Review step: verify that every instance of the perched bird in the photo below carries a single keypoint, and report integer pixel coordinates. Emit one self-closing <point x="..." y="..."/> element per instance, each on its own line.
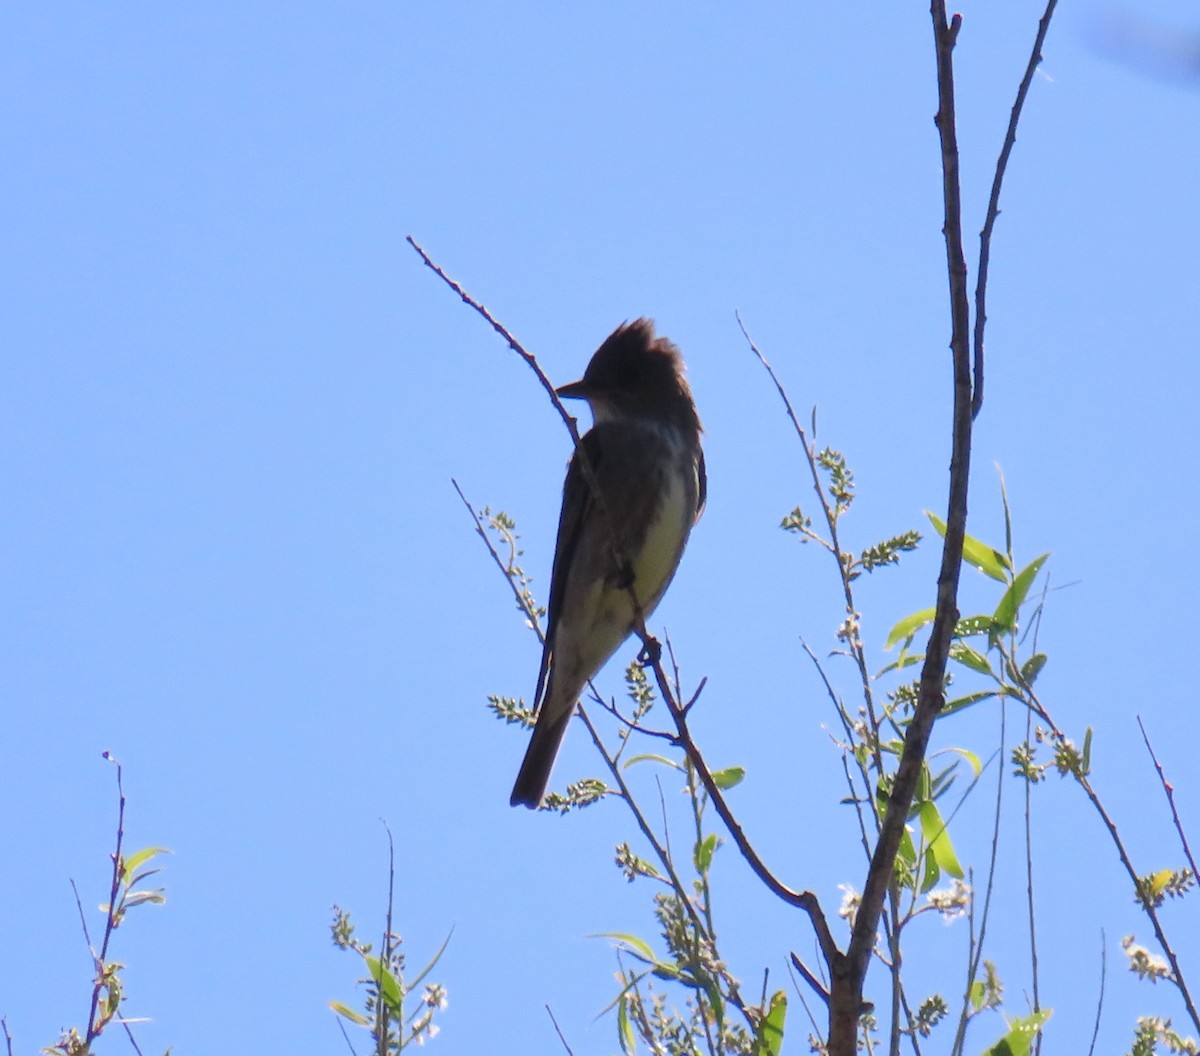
<point x="646" y="461"/>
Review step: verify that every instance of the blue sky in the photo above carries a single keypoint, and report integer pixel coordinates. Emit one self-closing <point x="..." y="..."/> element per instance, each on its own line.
<point x="233" y="400"/>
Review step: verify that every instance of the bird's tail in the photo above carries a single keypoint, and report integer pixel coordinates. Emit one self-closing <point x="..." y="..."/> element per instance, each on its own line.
<point x="539" y="759"/>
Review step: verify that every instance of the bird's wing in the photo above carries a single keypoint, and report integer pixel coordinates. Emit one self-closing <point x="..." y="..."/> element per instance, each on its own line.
<point x="576" y="508"/>
<point x="701" y="483"/>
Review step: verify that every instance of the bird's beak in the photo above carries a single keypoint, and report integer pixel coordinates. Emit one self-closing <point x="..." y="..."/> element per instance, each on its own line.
<point x="576" y="390"/>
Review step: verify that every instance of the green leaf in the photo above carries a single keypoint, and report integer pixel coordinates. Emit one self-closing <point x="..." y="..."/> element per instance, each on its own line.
<point x="136" y="898"/>
<point x="769" y="1040"/>
<point x="349" y="1013"/>
<point x="959" y="703"/>
<point x="1005" y="615"/>
<point x="977" y="992"/>
<point x="638" y="947"/>
<point x="651" y="758"/>
<point x="972" y="759"/>
<point x="703" y="855"/>
<point x="624" y="1028"/>
<point x="729" y="777"/>
<point x="1021" y="1032"/>
<point x="389" y="987"/>
<point x="1086" y="761"/>
<point x="432" y="962"/>
<point x="979" y="555"/>
<point x="937" y="839"/>
<point x="1033" y="667"/>
<point x="930" y="873"/>
<point x="967" y="626"/>
<point x="968" y="657"/>
<point x="909" y="626"/>
<point x="131" y="864"/>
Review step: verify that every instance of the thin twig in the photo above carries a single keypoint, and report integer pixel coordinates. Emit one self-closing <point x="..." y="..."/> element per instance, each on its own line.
<point x="383" y="1008"/>
<point x="818" y="987"/>
<point x="985" y="236"/>
<point x="8" y="1041"/>
<point x="1169" y="790"/>
<point x="558" y="1031"/>
<point x="833" y="546"/>
<point x="585" y="465"/>
<point x="1033" y="947"/>
<point x="1100" y="999"/>
<point x="1149" y="909"/>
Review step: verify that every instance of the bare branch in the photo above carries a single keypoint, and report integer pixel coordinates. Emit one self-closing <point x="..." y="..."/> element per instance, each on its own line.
<point x="985" y="236"/>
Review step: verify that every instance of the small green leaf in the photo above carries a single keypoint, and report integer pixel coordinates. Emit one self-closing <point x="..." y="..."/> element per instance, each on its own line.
<point x="930" y="873"/>
<point x="703" y="855"/>
<point x="1032" y="668"/>
<point x="979" y="555"/>
<point x="959" y="703"/>
<point x="729" y="777"/>
<point x="349" y="1013"/>
<point x="389" y="987"/>
<point x="937" y="839"/>
<point x="976" y="993"/>
<point x="651" y="758"/>
<point x="909" y="626"/>
<point x="136" y="898"/>
<point x="638" y="947"/>
<point x="131" y="864"/>
<point x="1086" y="761"/>
<point x="624" y="1028"/>
<point x="1005" y="615"/>
<point x="1021" y="1032"/>
<point x="968" y="626"/>
<point x="769" y="1040"/>
<point x="968" y="657"/>
<point x="972" y="759"/>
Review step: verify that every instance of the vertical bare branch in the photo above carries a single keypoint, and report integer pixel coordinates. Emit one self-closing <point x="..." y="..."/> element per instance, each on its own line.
<point x="848" y="977"/>
<point x="985" y="236"/>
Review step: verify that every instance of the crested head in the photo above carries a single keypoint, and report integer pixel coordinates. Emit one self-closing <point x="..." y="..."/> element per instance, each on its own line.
<point x="635" y="373"/>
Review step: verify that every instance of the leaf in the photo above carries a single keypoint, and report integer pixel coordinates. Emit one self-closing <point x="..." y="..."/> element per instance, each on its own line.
<point x="977" y="995"/>
<point x="937" y="839"/>
<point x="959" y="703"/>
<point x="130" y="865"/>
<point x="909" y="626"/>
<point x="136" y="898"/>
<point x="432" y="961"/>
<point x="969" y="657"/>
<point x="769" y="1040"/>
<point x="349" y="1013"/>
<point x="389" y="987"/>
<point x="1021" y="1032"/>
<point x="1086" y="761"/>
<point x="972" y="625"/>
<point x="979" y="555"/>
<point x="625" y="1028"/>
<point x="972" y="759"/>
<point x="729" y="777"/>
<point x="1010" y="603"/>
<point x="703" y="855"/>
<point x="638" y="947"/>
<point x="651" y="758"/>
<point x="1033" y="667"/>
<point x="930" y="874"/>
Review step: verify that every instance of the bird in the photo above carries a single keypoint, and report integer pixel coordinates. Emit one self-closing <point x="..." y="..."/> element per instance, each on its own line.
<point x="614" y="558"/>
